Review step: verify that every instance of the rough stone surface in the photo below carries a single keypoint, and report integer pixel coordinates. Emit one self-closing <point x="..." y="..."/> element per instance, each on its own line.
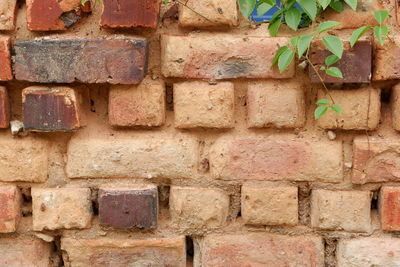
<point x="7" y="15"/>
<point x="263" y="159"/>
<point x="192" y="207"/>
<point x="129" y="207"/>
<point x="341" y="210"/>
<point x="221" y="56"/>
<point x="269" y="205"/>
<point x="5" y="59"/>
<point x="10" y="208"/>
<point x="199" y="104"/>
<point x="126" y="252"/>
<point x="386" y="60"/>
<point x="360" y="109"/>
<point x="142" y="105"/>
<point x="259" y="249"/>
<point x="389" y="208"/>
<point x="395" y="99"/>
<point x="275" y="103"/>
<point x="118" y="60"/>
<point x="4" y="108"/>
<point x="58" y="208"/>
<point x="168" y="158"/>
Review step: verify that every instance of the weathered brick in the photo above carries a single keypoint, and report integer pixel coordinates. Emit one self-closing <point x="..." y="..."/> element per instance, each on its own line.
<point x="54" y="15"/>
<point x="5" y="59"/>
<point x="395" y="103"/>
<point x="269" y="204"/>
<point x="259" y="249"/>
<point x="58" y="208"/>
<point x="387" y="60"/>
<point x="142" y="105"/>
<point x="10" y="208"/>
<point x="199" y="104"/>
<point x="8" y="15"/>
<point x="355" y="64"/>
<point x="369" y="251"/>
<point x="360" y="109"/>
<point x="16" y="252"/>
<point x="24" y="159"/>
<point x="126" y="252"/>
<point x="263" y="159"/>
<point x="221" y="56"/>
<point x="4" y="108"/>
<point x="198" y="207"/>
<point x="118" y="60"/>
<point x="129" y="207"/>
<point x="152" y="158"/>
<point x="130" y="13"/>
<point x="222" y="12"/>
<point x="50" y="109"/>
<point x="341" y="210"/>
<point x="375" y="160"/>
<point x="275" y="103"/>
<point x="389" y="208"/>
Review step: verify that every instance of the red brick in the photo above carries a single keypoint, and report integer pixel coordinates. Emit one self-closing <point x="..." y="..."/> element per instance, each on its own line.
<point x="221" y="56"/>
<point x="4" y="108"/>
<point x="395" y="105"/>
<point x="10" y="208"/>
<point x="8" y="10"/>
<point x="125" y="252"/>
<point x="54" y="15"/>
<point x="16" y="252"/>
<point x="5" y="59"/>
<point x="129" y="207"/>
<point x="387" y="60"/>
<point x="130" y="13"/>
<point x="50" y="109"/>
<point x="260" y="249"/>
<point x="120" y="60"/>
<point x="389" y="208"/>
<point x="264" y="159"/>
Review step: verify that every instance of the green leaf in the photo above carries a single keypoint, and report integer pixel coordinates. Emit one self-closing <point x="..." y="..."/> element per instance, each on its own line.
<point x="322" y="68"/>
<point x="324" y="3"/>
<point x="336" y="108"/>
<point x="323" y="102"/>
<point x="320" y="111"/>
<point x="357" y="34"/>
<point x="263" y="8"/>
<point x="309" y="7"/>
<point x="278" y="54"/>
<point x="274" y="27"/>
<point x="337" y="6"/>
<point x="292" y="18"/>
<point x="333" y="44"/>
<point x="270" y="2"/>
<point x="352" y="4"/>
<point x="331" y="59"/>
<point x="381" y="15"/>
<point x="380" y="33"/>
<point x="334" y="72"/>
<point x="83" y="2"/>
<point x="303" y="44"/>
<point x="285" y="59"/>
<point x="246" y="7"/>
<point x="294" y="41"/>
<point x="327" y="25"/>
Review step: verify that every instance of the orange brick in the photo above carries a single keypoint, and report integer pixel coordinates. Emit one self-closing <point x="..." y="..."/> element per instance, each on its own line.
<point x="16" y="252"/>
<point x="389" y="208"/>
<point x="10" y="208"/>
<point x="5" y="59"/>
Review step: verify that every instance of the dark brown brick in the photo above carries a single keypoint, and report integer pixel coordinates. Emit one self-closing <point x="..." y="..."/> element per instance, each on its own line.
<point x="4" y="108"/>
<point x="129" y="208"/>
<point x="130" y="13"/>
<point x="355" y="63"/>
<point x="5" y="60"/>
<point x="50" y="109"/>
<point x="119" y="60"/>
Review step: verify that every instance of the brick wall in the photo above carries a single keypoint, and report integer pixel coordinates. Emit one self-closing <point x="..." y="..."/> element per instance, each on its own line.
<point x="132" y="137"/>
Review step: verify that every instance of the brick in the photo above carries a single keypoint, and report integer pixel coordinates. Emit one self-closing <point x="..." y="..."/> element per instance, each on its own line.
<point x="395" y="105"/>
<point x="141" y="105"/>
<point x="341" y="210"/>
<point x="260" y="249"/>
<point x="4" y="108"/>
<point x="223" y="13"/>
<point x="192" y="207"/>
<point x="126" y="252"/>
<point x="375" y="160"/>
<point x="369" y="251"/>
<point x="221" y="56"/>
<point x="269" y="204"/>
<point x="8" y="15"/>
<point x="49" y="109"/>
<point x="263" y="159"/>
<point x="16" y="252"/>
<point x="10" y="208"/>
<point x="130" y="13"/>
<point x="386" y="60"/>
<point x="360" y="109"/>
<point x="275" y="103"/>
<point x="5" y="59"/>
<point x="54" y="15"/>
<point x="24" y="159"/>
<point x="355" y="64"/>
<point x="153" y="158"/>
<point x="129" y="207"/>
<point x="120" y="60"/>
<point x="61" y="208"/>
<point x="389" y="208"/>
<point x="199" y="104"/>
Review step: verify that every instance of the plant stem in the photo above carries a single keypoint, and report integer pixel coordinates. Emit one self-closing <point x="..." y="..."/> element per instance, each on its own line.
<point x="320" y="78"/>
